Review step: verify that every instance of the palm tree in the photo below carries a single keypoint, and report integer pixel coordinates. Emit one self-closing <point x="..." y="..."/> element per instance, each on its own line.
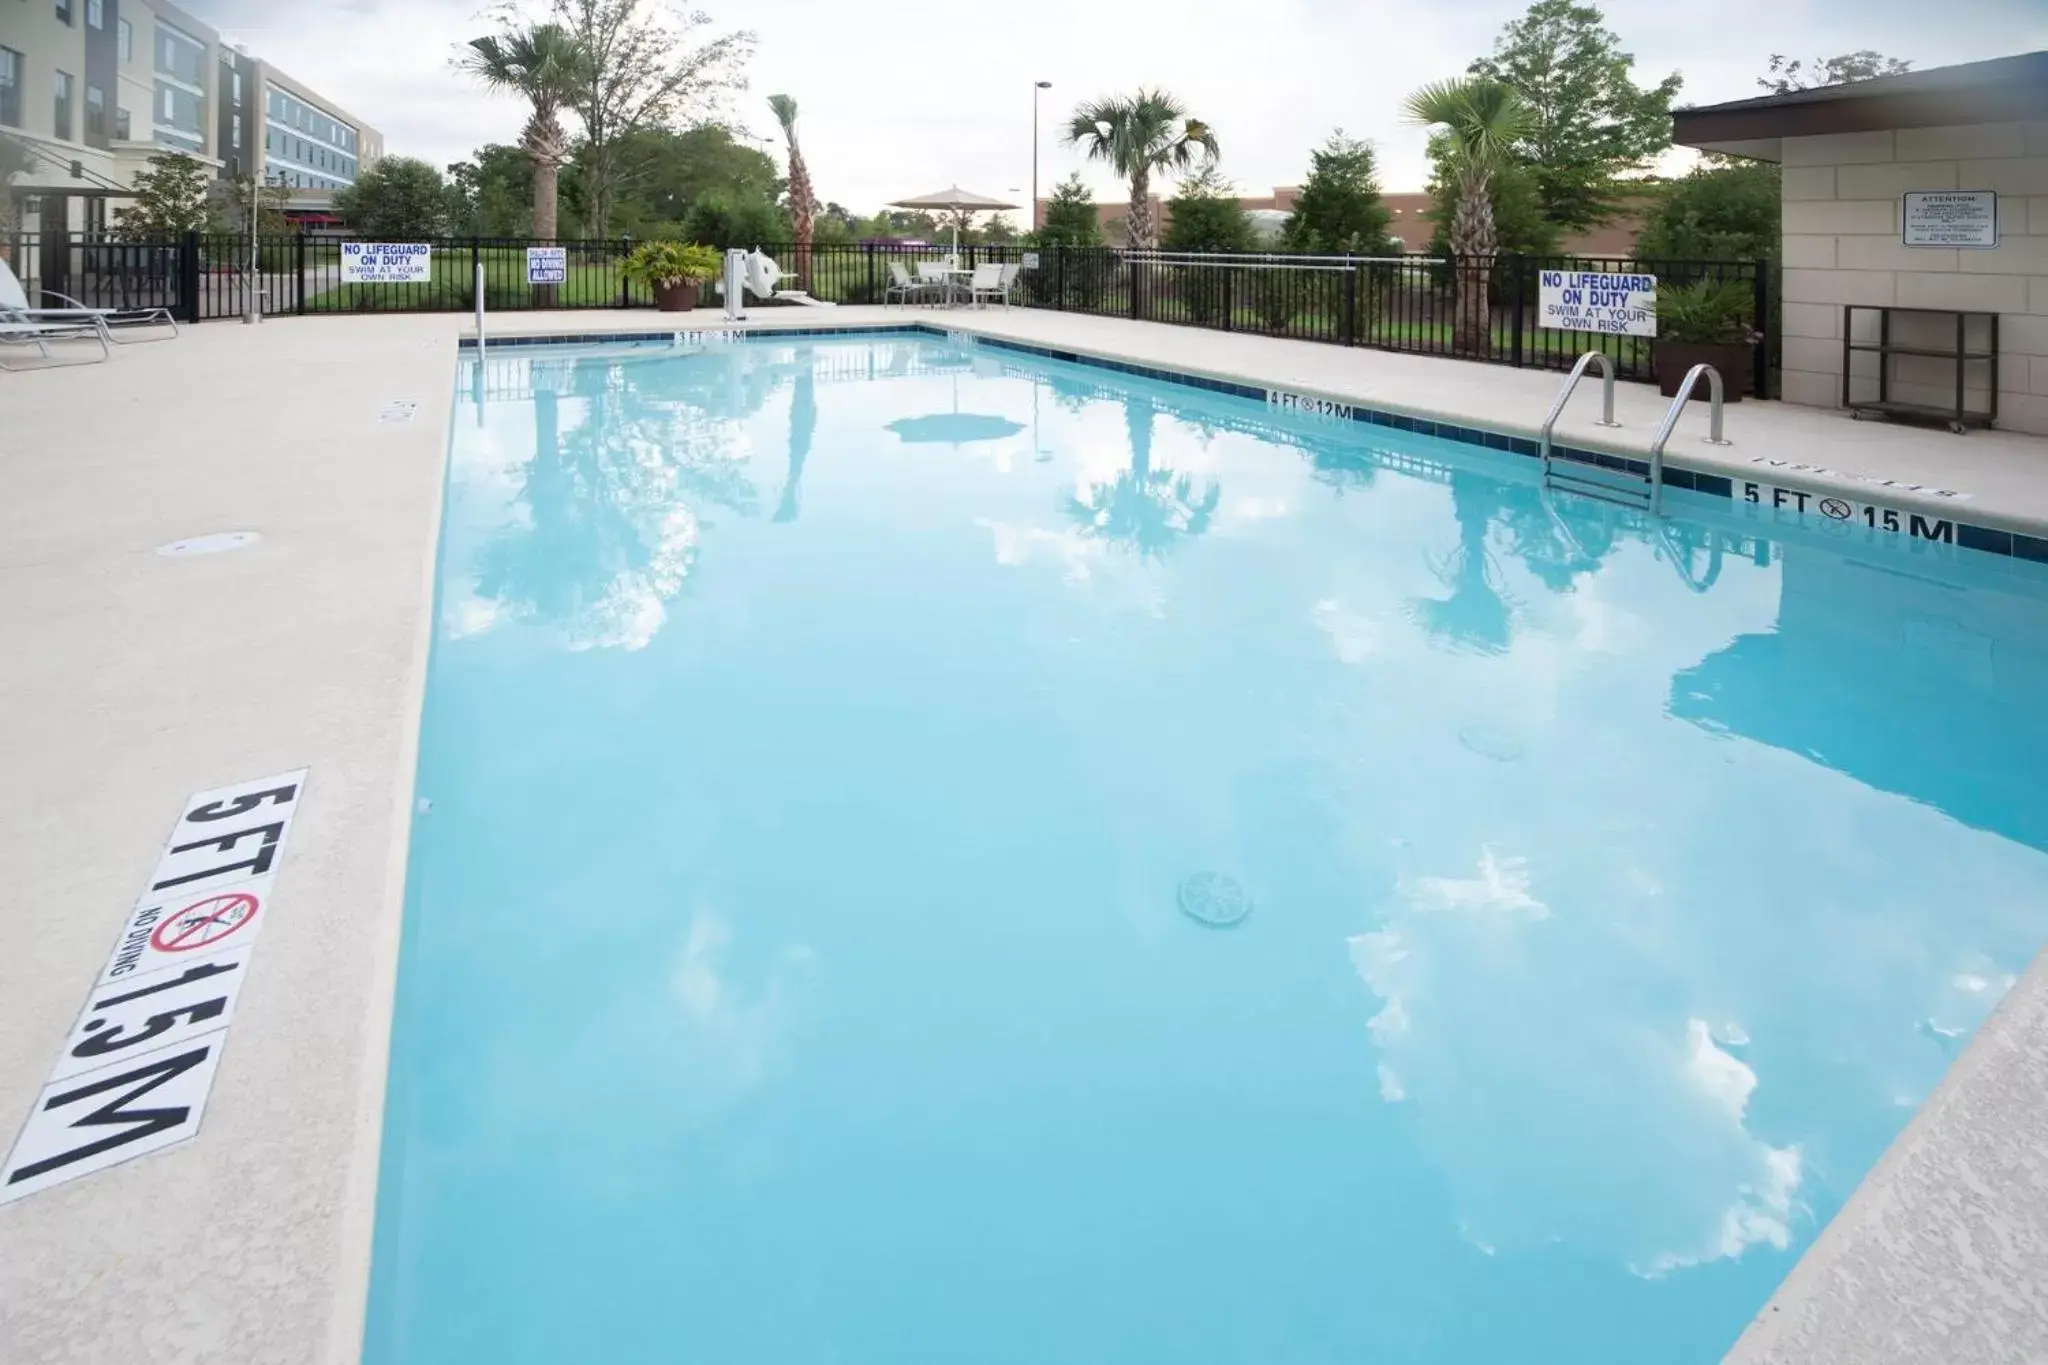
<point x="1137" y="136"/>
<point x="541" y="65"/>
<point x="1482" y="121"/>
<point x="803" y="205"/>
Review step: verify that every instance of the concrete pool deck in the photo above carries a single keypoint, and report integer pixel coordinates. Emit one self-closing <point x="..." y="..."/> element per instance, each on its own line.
<point x="132" y="680"/>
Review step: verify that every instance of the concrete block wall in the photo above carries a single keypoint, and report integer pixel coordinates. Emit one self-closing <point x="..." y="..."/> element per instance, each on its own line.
<point x="1843" y="201"/>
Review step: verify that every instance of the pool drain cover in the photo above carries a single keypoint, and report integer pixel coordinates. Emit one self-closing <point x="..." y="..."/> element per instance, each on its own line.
<point x="208" y="545"/>
<point x="1214" y="899"/>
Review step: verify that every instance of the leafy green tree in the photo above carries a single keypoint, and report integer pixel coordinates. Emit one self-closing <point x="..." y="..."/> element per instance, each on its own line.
<point x="491" y="195"/>
<point x="1206" y="216"/>
<point x="544" y="64"/>
<point x="1716" y="213"/>
<point x="1070" y="216"/>
<point x="1482" y="121"/>
<point x="400" y="199"/>
<point x="1338" y="211"/>
<point x="1788" y="76"/>
<point x="902" y="223"/>
<point x="735" y="218"/>
<point x="650" y="65"/>
<point x="997" y="231"/>
<point x="231" y="204"/>
<point x="1589" y="122"/>
<point x="170" y="198"/>
<point x="665" y="172"/>
<point x="1139" y="136"/>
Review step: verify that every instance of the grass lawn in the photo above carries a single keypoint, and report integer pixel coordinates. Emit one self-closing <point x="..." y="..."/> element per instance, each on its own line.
<point x="592" y="282"/>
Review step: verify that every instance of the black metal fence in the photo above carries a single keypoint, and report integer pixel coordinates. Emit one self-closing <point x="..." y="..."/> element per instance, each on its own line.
<point x="1471" y="308"/>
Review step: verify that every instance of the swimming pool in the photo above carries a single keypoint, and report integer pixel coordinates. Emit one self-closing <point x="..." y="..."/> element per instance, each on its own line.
<point x="929" y="853"/>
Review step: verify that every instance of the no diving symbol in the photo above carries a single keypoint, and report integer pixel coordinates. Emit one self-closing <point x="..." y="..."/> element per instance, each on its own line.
<point x="1836" y="508"/>
<point x="204" y="923"/>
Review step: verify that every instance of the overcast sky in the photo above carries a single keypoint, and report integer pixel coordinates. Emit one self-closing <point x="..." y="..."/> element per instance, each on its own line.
<point x="901" y="97"/>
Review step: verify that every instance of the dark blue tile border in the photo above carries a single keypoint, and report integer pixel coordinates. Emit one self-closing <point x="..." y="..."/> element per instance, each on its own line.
<point x="1985" y="539"/>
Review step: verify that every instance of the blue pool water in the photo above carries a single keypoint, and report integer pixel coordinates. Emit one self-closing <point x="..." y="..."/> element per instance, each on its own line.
<point x="933" y="855"/>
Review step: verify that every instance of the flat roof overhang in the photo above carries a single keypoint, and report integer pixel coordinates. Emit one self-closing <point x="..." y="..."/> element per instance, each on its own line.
<point x="2003" y="90"/>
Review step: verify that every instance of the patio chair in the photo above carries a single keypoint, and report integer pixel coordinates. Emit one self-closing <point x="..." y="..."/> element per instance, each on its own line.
<point x="901" y="284"/>
<point x="992" y="282"/>
<point x="14" y="331"/>
<point x="936" y="275"/>
<point x="14" y="304"/>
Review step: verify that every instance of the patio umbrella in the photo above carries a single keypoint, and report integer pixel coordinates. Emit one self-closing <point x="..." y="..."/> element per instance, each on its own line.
<point x="956" y="201"/>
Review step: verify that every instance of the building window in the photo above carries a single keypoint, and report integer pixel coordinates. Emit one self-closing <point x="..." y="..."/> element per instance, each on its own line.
<point x="10" y="87"/>
<point x="64" y="11"/>
<point x="124" y="126"/>
<point x="60" y="108"/>
<point x="235" y="132"/>
<point x="177" y="56"/>
<point x="95" y="112"/>
<point x="237" y="83"/>
<point x="95" y="14"/>
<point x="124" y="34"/>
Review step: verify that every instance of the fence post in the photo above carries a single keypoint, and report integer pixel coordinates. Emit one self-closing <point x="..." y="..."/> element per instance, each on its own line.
<point x="476" y="260"/>
<point x="1761" y="379"/>
<point x="299" y="273"/>
<point x="625" y="285"/>
<point x="1137" y="273"/>
<point x="188" y="275"/>
<point x="1350" y="337"/>
<point x="1516" y="281"/>
<point x="867" y="250"/>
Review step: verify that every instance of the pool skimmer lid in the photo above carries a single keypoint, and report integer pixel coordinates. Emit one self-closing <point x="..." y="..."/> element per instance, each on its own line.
<point x="1213" y="898"/>
<point x="214" y="544"/>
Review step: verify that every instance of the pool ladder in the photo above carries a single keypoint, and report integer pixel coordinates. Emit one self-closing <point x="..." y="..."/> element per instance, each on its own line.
<point x="1645" y="491"/>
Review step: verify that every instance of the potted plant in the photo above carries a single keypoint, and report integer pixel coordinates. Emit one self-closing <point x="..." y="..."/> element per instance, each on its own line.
<point x="676" y="271"/>
<point x="1707" y="320"/>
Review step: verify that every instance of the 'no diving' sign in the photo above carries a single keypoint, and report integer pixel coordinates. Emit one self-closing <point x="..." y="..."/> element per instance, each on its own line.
<point x="135" y="1073"/>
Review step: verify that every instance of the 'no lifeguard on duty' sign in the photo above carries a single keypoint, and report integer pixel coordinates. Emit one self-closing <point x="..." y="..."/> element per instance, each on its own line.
<point x="1582" y="301"/>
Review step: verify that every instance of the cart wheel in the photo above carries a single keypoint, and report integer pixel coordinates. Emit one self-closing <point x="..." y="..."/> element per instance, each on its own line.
<point x="1859" y="414"/>
<point x="1957" y="428"/>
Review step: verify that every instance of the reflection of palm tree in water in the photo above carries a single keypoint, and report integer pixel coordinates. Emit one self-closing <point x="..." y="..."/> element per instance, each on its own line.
<point x="803" y="425"/>
<point x="1475" y="616"/>
<point x="1561" y="537"/>
<point x="612" y="502"/>
<point x="1146" y="508"/>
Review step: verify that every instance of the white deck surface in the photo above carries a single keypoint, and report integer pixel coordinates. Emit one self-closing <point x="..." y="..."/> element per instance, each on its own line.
<point x="129" y="680"/>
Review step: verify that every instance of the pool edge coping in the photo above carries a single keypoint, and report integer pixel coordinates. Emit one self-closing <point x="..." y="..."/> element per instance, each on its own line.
<point x="1988" y="531"/>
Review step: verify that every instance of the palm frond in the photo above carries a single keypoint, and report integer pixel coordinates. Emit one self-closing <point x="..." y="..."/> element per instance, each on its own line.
<point x="784" y="109"/>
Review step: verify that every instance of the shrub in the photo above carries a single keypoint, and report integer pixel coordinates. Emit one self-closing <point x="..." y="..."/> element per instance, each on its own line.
<point x="666" y="263"/>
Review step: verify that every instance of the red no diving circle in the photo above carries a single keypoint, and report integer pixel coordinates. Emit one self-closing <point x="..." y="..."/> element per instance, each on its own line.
<point x="204" y="923"/>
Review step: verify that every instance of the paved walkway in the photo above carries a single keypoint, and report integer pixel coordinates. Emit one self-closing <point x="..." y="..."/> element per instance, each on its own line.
<point x="130" y="681"/>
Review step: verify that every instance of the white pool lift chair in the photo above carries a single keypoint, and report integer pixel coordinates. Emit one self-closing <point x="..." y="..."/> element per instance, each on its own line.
<point x="764" y="278"/>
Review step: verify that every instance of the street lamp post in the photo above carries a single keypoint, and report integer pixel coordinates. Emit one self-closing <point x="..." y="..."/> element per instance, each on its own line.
<point x="1036" y="87"/>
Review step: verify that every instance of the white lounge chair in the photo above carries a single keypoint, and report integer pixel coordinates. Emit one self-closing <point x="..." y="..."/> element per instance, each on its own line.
<point x="14" y="304"/>
<point x="14" y="331"/>
<point x="763" y="277"/>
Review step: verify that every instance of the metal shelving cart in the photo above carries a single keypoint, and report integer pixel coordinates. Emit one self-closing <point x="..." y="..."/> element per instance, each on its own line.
<point x="1961" y="417"/>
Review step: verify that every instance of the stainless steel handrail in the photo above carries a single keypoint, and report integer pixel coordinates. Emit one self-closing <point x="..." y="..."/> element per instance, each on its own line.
<point x="479" y="311"/>
<point x="1564" y="395"/>
<point x="1692" y="377"/>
